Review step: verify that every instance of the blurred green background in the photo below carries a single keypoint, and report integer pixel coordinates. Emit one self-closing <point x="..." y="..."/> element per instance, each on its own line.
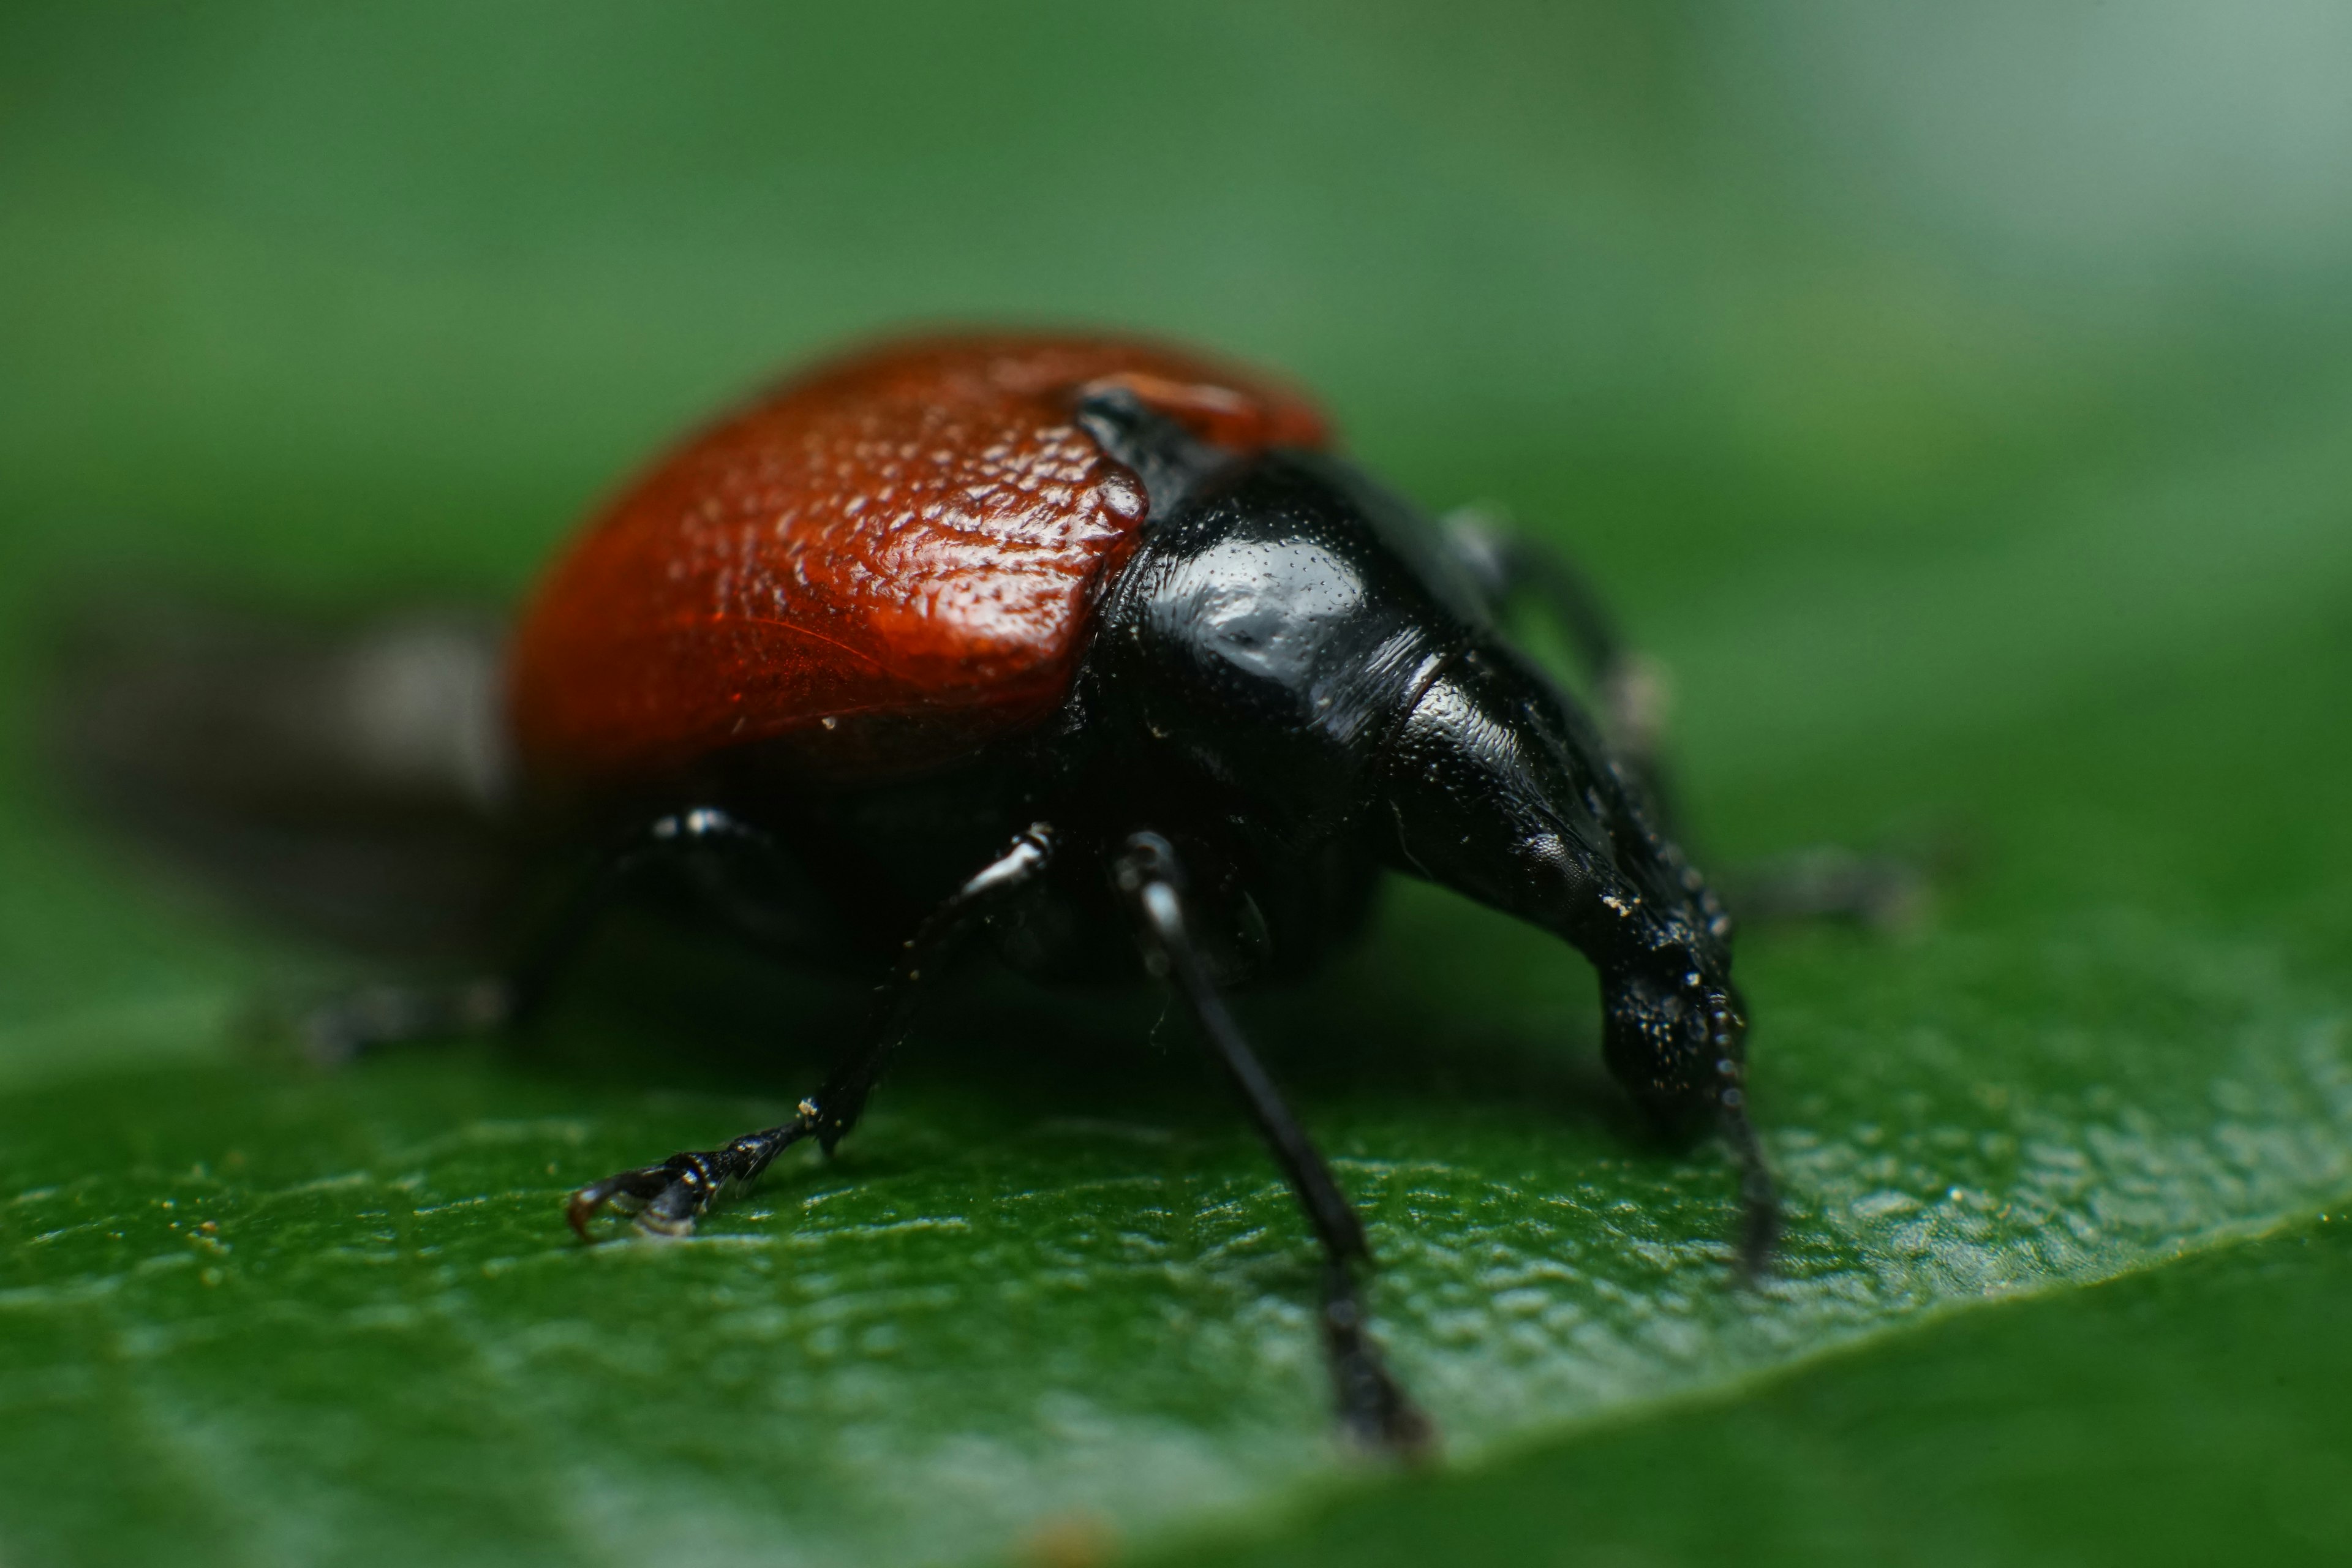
<point x="1957" y="397"/>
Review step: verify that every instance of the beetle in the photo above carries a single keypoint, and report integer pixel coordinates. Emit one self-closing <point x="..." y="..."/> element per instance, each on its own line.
<point x="1092" y="647"/>
<point x="1089" y="649"/>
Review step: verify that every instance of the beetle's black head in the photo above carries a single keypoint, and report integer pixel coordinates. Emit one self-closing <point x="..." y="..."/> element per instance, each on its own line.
<point x="1677" y="1041"/>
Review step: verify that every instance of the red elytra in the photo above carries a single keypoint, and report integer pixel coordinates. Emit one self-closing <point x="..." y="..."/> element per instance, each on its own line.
<point x="879" y="566"/>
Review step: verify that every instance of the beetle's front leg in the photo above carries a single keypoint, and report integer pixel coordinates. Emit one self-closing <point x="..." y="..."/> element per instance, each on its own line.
<point x="1374" y="1407"/>
<point x="1631" y="687"/>
<point x="1829" y="882"/>
<point x="670" y="1197"/>
<point x="1884" y="892"/>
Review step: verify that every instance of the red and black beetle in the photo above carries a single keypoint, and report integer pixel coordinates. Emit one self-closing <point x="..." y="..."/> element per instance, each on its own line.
<point x="1090" y="647"/>
<point x="1089" y="644"/>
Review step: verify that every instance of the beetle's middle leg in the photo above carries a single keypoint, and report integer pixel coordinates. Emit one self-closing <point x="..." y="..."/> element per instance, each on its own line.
<point x="668" y="1197"/>
<point x="1374" y="1408"/>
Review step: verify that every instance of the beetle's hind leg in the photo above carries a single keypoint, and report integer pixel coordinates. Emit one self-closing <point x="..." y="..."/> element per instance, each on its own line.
<point x="375" y="1016"/>
<point x="1374" y="1407"/>
<point x="667" y="1198"/>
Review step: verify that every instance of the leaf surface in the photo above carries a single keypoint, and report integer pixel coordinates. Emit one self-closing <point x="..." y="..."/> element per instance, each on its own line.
<point x="1934" y="554"/>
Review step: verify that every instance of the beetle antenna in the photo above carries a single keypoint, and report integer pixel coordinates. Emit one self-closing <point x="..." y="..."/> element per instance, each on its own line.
<point x="1759" y="1197"/>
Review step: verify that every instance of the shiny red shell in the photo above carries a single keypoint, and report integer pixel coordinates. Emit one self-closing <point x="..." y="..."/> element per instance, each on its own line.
<point x="879" y="567"/>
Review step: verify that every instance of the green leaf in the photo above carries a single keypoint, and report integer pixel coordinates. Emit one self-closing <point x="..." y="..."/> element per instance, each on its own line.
<point x="1944" y="532"/>
<point x="2186" y="1415"/>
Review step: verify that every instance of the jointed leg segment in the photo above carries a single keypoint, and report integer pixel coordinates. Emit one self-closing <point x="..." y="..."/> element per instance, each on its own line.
<point x="1630" y="689"/>
<point x="392" y="1014"/>
<point x="1374" y="1408"/>
<point x="668" y="1197"/>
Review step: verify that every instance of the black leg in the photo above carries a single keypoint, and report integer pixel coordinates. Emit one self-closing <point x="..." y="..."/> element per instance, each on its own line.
<point x="1885" y="891"/>
<point x="371" y="1017"/>
<point x="668" y="1197"/>
<point x="532" y="978"/>
<point x="1374" y="1409"/>
<point x="380" y="1016"/>
<point x="1632" y="690"/>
